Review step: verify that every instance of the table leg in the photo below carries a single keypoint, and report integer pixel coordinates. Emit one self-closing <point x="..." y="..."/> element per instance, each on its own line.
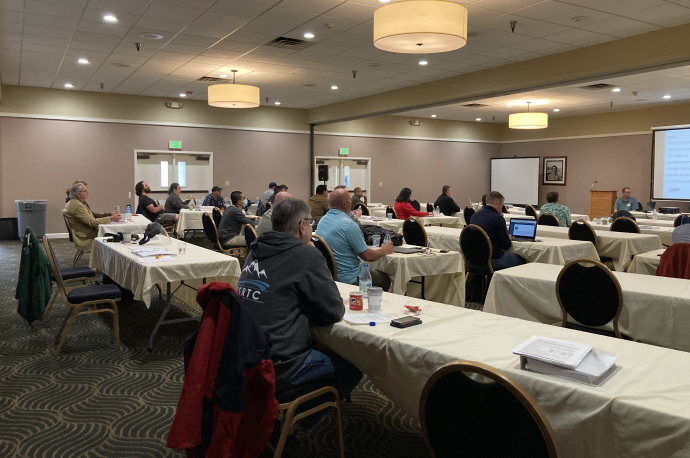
<point x="161" y="321"/>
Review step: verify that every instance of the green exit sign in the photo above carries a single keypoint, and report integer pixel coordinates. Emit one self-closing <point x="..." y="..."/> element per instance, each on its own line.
<point x="172" y="144"/>
<point x="344" y="151"/>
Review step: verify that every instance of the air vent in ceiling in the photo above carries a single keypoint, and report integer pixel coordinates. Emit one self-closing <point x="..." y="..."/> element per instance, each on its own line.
<point x="289" y="43"/>
<point x="596" y="87"/>
<point x="210" y="79"/>
<point x="475" y="105"/>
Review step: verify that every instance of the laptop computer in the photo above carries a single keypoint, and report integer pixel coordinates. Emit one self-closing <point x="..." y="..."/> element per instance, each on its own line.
<point x="523" y="229"/>
<point x="649" y="207"/>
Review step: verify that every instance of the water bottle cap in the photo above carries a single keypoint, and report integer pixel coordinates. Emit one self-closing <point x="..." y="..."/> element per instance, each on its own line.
<point x="365" y="265"/>
<point x="372" y="323"/>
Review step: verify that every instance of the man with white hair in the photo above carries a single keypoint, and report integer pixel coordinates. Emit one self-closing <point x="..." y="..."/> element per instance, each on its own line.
<point x="82" y="221"/>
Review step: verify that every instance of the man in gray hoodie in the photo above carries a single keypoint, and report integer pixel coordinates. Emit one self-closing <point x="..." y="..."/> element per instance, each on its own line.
<point x="287" y="286"/>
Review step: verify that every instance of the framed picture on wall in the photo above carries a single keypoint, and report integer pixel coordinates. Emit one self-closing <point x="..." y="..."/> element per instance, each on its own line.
<point x="554" y="171"/>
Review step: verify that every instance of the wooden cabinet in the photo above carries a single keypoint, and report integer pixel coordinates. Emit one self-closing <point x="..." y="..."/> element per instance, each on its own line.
<point x="601" y="203"/>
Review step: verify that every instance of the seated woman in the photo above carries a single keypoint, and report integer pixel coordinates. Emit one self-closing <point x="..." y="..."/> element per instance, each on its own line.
<point x="403" y="207"/>
<point x="173" y="204"/>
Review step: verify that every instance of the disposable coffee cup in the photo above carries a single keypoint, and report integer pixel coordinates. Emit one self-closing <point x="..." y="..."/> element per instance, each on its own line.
<point x="376" y="240"/>
<point x="375" y="294"/>
<point x="127" y="238"/>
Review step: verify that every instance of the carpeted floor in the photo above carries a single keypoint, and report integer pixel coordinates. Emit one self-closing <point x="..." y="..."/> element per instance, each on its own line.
<point x="97" y="400"/>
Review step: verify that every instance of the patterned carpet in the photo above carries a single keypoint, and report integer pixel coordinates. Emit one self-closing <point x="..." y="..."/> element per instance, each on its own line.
<point x="97" y="400"/>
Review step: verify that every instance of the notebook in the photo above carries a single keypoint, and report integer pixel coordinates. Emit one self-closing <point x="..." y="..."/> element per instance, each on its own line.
<point x="523" y="229"/>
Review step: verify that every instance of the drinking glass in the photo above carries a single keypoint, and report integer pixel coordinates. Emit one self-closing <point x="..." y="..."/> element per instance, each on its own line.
<point x="181" y="247"/>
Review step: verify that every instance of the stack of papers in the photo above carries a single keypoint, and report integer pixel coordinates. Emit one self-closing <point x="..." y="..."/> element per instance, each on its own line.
<point x="151" y="251"/>
<point x="574" y="361"/>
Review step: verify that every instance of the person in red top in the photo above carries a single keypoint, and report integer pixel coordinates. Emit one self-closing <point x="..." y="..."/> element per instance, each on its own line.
<point x="403" y="207"/>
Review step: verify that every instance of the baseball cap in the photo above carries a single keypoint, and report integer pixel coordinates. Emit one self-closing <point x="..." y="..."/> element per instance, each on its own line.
<point x="216" y="188"/>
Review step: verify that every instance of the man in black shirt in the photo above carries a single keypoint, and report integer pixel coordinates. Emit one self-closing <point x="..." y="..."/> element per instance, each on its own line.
<point x="445" y="202"/>
<point x="150" y="208"/>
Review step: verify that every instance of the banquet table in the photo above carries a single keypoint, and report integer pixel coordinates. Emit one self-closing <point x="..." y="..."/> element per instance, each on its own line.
<point x="126" y="269"/>
<point x="621" y="246"/>
<point x="644" y="409"/>
<point x="646" y="263"/>
<point x="665" y="233"/>
<point x="137" y="226"/>
<point x="395" y="225"/>
<point x="659" y="216"/>
<point x="190" y="220"/>
<point x="656" y="310"/>
<point x="550" y="251"/>
<point x="517" y="212"/>
<point x="444" y="274"/>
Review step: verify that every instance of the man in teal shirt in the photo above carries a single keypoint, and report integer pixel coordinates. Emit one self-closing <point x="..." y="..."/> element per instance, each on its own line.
<point x="556" y="209"/>
<point x="626" y="202"/>
<point x="346" y="241"/>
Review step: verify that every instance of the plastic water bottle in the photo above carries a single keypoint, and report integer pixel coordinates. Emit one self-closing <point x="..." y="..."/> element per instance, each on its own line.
<point x="437" y="211"/>
<point x="387" y="238"/>
<point x="128" y="213"/>
<point x="198" y="207"/>
<point x="365" y="280"/>
<point x="654" y="214"/>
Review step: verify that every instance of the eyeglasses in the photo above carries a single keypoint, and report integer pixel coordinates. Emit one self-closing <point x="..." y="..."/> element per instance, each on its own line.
<point x="310" y="221"/>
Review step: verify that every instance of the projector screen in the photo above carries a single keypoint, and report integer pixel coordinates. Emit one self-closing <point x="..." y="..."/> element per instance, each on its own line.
<point x="517" y="179"/>
<point x="671" y="164"/>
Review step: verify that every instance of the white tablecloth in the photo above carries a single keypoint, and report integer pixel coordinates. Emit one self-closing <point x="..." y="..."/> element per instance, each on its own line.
<point x="656" y="310"/>
<point x="378" y="212"/>
<point x="646" y="263"/>
<point x="116" y="261"/>
<point x="665" y="233"/>
<point x="642" y="411"/>
<point x="190" y="220"/>
<point x="137" y="226"/>
<point x="396" y="224"/>
<point x="520" y="212"/>
<point x="621" y="246"/>
<point x="551" y="251"/>
<point x="659" y="216"/>
<point x="444" y="274"/>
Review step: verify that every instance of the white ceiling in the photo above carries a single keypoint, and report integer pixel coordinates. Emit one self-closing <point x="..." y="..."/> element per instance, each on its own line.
<point x="643" y="89"/>
<point x="40" y="42"/>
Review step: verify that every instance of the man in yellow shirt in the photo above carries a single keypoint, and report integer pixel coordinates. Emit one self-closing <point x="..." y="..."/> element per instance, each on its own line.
<point x="82" y="221"/>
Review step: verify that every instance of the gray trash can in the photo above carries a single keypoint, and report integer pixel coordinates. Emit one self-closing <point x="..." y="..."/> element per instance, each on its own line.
<point x="32" y="213"/>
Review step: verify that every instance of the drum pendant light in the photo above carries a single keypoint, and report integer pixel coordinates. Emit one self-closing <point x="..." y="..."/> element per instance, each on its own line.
<point x="528" y="120"/>
<point x="420" y="26"/>
<point x="234" y="95"/>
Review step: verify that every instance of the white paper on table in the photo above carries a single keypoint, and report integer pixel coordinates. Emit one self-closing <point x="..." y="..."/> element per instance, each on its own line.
<point x="366" y="318"/>
<point x="151" y="251"/>
<point x="154" y="259"/>
<point x="554" y="351"/>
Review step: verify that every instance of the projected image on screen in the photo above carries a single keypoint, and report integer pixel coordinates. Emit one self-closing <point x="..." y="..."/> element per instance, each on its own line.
<point x="672" y="164"/>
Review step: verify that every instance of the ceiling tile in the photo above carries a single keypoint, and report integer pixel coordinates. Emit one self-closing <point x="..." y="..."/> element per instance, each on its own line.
<point x="103" y="28"/>
<point x="476" y="15"/>
<point x="174" y="56"/>
<point x="311" y="6"/>
<point x="239" y="8"/>
<point x="635" y="31"/>
<point x="52" y="9"/>
<point x="540" y="29"/>
<point x="506" y="6"/>
<point x="623" y="7"/>
<point x="48" y="32"/>
<point x="207" y="31"/>
<point x="328" y="49"/>
<point x="173" y="13"/>
<point x="661" y="13"/>
<point x="43" y="49"/>
<point x="48" y="21"/>
<point x="161" y="24"/>
<point x="586" y="17"/>
<point x="47" y="41"/>
<point x="120" y="6"/>
<point x="238" y="46"/>
<point x="96" y="15"/>
<point x="573" y="36"/>
<point x="615" y="24"/>
<point x="353" y="12"/>
<point x="547" y="9"/>
<point x="287" y="16"/>
<point x="351" y="41"/>
<point x="197" y="4"/>
<point x="363" y="52"/>
<point x="184" y="49"/>
<point x="11" y="5"/>
<point x="193" y="40"/>
<point x="503" y="39"/>
<point x="11" y="17"/>
<point x="91" y="46"/>
<point x="259" y="26"/>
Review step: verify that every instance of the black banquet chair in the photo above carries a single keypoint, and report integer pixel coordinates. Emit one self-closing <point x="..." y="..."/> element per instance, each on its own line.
<point x="415" y="234"/>
<point x="625" y="224"/>
<point x="392" y="211"/>
<point x="504" y="209"/>
<point x="581" y="230"/>
<point x="249" y="234"/>
<point x="415" y="204"/>
<point x="596" y="305"/>
<point x="530" y="211"/>
<point x="467" y="214"/>
<point x="325" y="250"/>
<point x="476" y="249"/>
<point x="211" y="231"/>
<point x="364" y="208"/>
<point x="429" y="207"/>
<point x="217" y="216"/>
<point x="486" y="415"/>
<point x="548" y="219"/>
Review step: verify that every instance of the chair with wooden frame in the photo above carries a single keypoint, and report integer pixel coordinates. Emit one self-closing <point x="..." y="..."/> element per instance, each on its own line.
<point x="625" y="224"/>
<point x="531" y="211"/>
<point x="597" y="304"/>
<point x="487" y="415"/>
<point x="429" y="207"/>
<point x="290" y="400"/>
<point x="364" y="208"/>
<point x="249" y="234"/>
<point x="678" y="220"/>
<point x="548" y="219"/>
<point x="217" y="216"/>
<point x="211" y="232"/>
<point x="391" y="210"/>
<point x="581" y="230"/>
<point x="477" y="251"/>
<point x="325" y="250"/>
<point x="79" y="253"/>
<point x="467" y="213"/>
<point x="83" y="300"/>
<point x="415" y="234"/>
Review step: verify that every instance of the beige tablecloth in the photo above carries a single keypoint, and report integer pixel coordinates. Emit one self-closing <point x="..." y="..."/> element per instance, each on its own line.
<point x="394" y="225"/>
<point x="379" y="212"/>
<point x="665" y="233"/>
<point x="646" y="263"/>
<point x="517" y="213"/>
<point x="621" y="246"/>
<point x="550" y="251"/>
<point x="116" y="261"/>
<point x="656" y="310"/>
<point x="444" y="274"/>
<point x="659" y="216"/>
<point x="137" y="226"/>
<point x="189" y="220"/>
<point x="642" y="411"/>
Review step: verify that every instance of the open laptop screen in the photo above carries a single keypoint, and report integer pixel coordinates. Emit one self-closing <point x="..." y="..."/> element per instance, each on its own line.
<point x="526" y="228"/>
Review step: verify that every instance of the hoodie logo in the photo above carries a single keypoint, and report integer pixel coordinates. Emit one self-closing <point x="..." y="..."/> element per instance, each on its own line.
<point x="251" y="288"/>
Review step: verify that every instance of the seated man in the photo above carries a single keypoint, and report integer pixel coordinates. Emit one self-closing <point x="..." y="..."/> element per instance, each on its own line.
<point x="299" y="293"/>
<point x="215" y="199"/>
<point x="173" y="204"/>
<point x="84" y="225"/>
<point x="556" y="209"/>
<point x="445" y="202"/>
<point x="265" y="223"/>
<point x="278" y="189"/>
<point x="359" y="197"/>
<point x="491" y="220"/>
<point x="346" y="241"/>
<point x="150" y="208"/>
<point x="269" y="192"/>
<point x="626" y="201"/>
<point x="319" y="202"/>
<point x="230" y="228"/>
<point x="95" y="214"/>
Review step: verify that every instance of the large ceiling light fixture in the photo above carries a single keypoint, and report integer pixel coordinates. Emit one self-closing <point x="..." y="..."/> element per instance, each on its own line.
<point x="420" y="26"/>
<point x="234" y="95"/>
<point x="528" y="120"/>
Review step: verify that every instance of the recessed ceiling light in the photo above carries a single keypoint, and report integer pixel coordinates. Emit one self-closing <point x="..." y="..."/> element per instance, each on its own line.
<point x="433" y="116"/>
<point x="384" y="1"/>
<point x="478" y="119"/>
<point x="83" y="61"/>
<point x="68" y="85"/>
<point x="109" y="18"/>
<point x="277" y="103"/>
<point x="151" y="36"/>
<point x="509" y="105"/>
<point x="183" y="95"/>
<point x="556" y="110"/>
<point x="423" y="62"/>
<point x="616" y="89"/>
<point x="667" y="96"/>
<point x="223" y="76"/>
<point x="308" y="35"/>
<point x="334" y="87"/>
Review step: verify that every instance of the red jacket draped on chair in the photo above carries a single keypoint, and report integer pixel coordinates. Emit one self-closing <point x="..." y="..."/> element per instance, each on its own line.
<point x="675" y="262"/>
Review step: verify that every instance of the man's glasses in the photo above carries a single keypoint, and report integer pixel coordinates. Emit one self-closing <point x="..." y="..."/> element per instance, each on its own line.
<point x="310" y="221"/>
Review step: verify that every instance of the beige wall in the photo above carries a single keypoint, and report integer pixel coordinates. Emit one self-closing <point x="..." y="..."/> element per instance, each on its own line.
<point x="42" y="157"/>
<point x="421" y="165"/>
